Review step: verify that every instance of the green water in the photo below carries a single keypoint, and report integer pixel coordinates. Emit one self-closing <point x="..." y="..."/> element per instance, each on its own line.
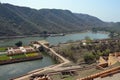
<point x="17" y="69"/>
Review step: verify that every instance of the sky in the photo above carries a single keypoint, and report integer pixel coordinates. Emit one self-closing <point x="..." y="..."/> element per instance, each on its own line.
<point x="106" y="10"/>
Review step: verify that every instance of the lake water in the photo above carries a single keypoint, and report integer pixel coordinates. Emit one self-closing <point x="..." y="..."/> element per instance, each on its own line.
<point x="17" y="69"/>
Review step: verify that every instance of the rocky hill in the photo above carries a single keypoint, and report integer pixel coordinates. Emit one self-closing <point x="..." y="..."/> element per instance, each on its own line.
<point x="15" y="20"/>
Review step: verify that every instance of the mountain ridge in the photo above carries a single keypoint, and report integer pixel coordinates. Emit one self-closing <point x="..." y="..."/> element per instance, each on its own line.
<point x="15" y="20"/>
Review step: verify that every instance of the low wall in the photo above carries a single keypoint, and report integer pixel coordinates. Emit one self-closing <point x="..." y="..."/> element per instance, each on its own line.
<point x="20" y="60"/>
<point x="55" y="57"/>
<point x="102" y="74"/>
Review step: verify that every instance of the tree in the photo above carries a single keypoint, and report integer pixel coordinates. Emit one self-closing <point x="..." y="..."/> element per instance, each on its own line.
<point x="111" y="35"/>
<point x="107" y="52"/>
<point x="89" y="58"/>
<point x="19" y="43"/>
<point x="45" y="32"/>
<point x="88" y="39"/>
<point x="94" y="30"/>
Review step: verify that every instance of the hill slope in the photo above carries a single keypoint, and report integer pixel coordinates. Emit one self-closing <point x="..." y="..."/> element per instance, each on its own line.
<point x="15" y="20"/>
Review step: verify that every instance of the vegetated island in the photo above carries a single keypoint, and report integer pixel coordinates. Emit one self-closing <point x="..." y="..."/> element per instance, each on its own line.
<point x="19" y="53"/>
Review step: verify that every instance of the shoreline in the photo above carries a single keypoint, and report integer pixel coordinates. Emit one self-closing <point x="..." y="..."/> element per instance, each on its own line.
<point x="47" y="35"/>
<point x="31" y="70"/>
<point x="20" y="60"/>
<point x="55" y="67"/>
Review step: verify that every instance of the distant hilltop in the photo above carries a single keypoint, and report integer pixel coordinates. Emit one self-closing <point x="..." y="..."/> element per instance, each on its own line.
<point x="15" y="20"/>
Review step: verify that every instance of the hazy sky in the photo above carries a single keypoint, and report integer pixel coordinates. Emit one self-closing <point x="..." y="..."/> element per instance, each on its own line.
<point x="107" y="10"/>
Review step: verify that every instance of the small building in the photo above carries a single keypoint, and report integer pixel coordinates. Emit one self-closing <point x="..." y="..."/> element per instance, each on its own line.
<point x="29" y="49"/>
<point x="20" y="50"/>
<point x="84" y="42"/>
<point x="112" y="59"/>
<point x="36" y="46"/>
<point x="102" y="62"/>
<point x="14" y="51"/>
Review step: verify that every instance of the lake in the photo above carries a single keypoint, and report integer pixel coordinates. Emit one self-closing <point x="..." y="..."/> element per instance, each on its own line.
<point x="17" y="69"/>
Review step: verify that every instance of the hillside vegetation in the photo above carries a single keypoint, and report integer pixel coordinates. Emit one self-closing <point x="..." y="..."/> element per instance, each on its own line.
<point x="89" y="53"/>
<point x="15" y="20"/>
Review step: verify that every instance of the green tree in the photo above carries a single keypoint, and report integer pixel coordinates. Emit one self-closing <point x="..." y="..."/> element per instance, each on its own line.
<point x="94" y="30"/>
<point x="89" y="58"/>
<point x="88" y="39"/>
<point x="106" y="52"/>
<point x="19" y="43"/>
<point x="45" y="32"/>
<point x="111" y="35"/>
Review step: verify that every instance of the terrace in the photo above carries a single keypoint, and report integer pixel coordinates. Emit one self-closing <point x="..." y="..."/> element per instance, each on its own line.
<point x="3" y="49"/>
<point x="6" y="59"/>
